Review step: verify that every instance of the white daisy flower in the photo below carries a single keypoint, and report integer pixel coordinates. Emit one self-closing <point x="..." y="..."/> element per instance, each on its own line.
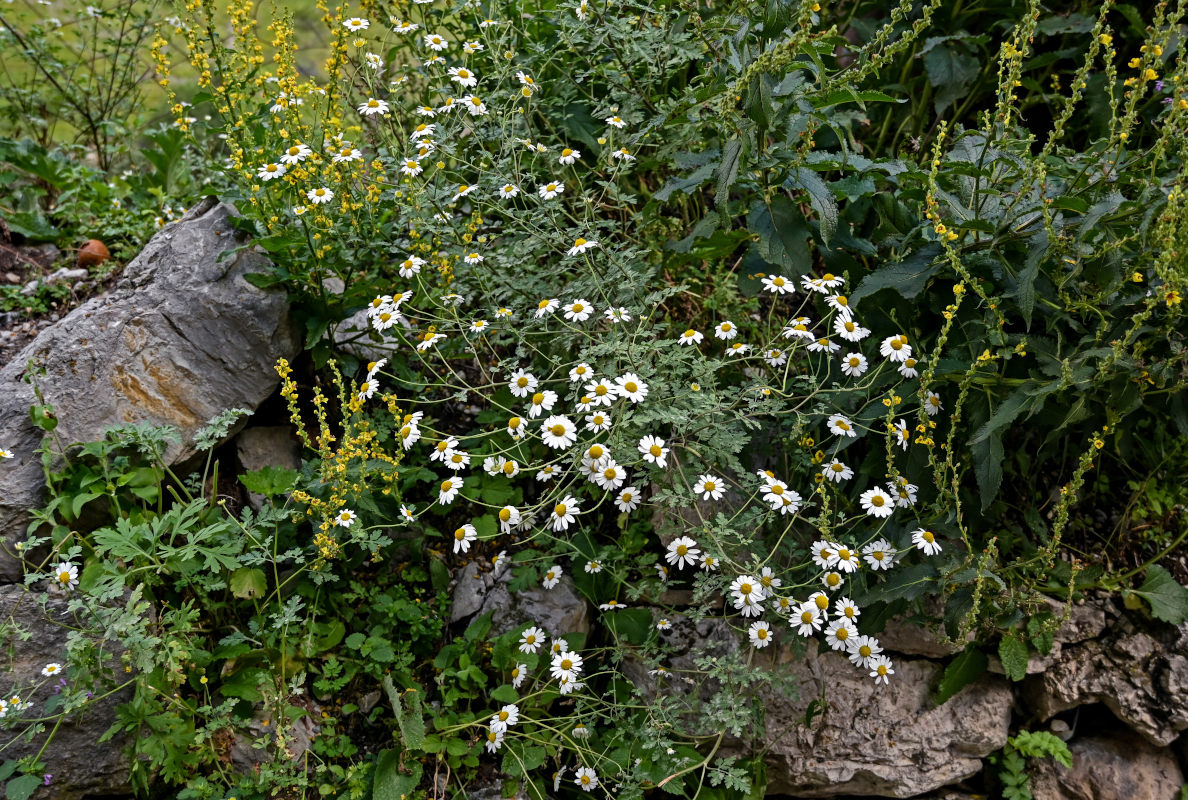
<point x="877" y="503"/>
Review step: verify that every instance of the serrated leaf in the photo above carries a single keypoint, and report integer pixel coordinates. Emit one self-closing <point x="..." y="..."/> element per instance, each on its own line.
<point x="390" y="783"/>
<point x="1012" y="650"/>
<point x="820" y="198"/>
<point x="1168" y="599"/>
<point x="727" y="172"/>
<point x="269" y="481"/>
<point x="908" y="277"/>
<point x="961" y="671"/>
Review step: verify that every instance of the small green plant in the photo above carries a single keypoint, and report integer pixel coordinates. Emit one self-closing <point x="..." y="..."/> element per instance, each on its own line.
<point x="1022" y="748"/>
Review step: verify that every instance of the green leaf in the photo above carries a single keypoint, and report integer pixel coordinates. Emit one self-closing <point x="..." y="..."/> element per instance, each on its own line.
<point x="727" y="172"/>
<point x="22" y="788"/>
<point x="1168" y="599"/>
<point x="269" y="481"/>
<point x="908" y="277"/>
<point x="1013" y="652"/>
<point x="820" y="198"/>
<point x="987" y="458"/>
<point x="407" y="708"/>
<point x="505" y="694"/>
<point x="248" y="582"/>
<point x="390" y="783"/>
<point x="782" y="235"/>
<point x="961" y="671"/>
<point x="950" y="71"/>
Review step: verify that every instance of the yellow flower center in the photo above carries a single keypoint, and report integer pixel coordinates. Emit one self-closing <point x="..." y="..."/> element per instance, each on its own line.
<point x="566" y="664"/>
<point x="822" y="602"/>
<point x="513" y="423"/>
<point x="777" y="489"/>
<point x="504" y="515"/>
<point x="843" y="554"/>
<point x="509" y="468"/>
<point x="578" y="243"/>
<point x="745" y="588"/>
<point x="877" y="501"/>
<point x="631" y="386"/>
<point x="537" y="398"/>
<point x="689" y="333"/>
<point x="682" y="550"/>
<point x="928" y="537"/>
<point x="447" y="485"/>
<point x="842" y="634"/>
<point x="709" y="486"/>
<point x="559" y="510"/>
<point x="807" y="617"/>
<point x="655" y="450"/>
<point x="596" y="451"/>
<point x="460" y="534"/>
<point x="600" y="390"/>
<point x="557" y="430"/>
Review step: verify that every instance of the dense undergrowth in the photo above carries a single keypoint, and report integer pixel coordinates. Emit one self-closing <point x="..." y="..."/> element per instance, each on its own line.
<point x="824" y="314"/>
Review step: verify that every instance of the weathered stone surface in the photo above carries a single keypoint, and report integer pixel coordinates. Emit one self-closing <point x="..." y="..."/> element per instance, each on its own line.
<point x="885" y="741"/>
<point x="1116" y="767"/>
<point x="78" y="765"/>
<point x="1140" y="674"/>
<point x="559" y="610"/>
<point x="267" y="446"/>
<point x="182" y="337"/>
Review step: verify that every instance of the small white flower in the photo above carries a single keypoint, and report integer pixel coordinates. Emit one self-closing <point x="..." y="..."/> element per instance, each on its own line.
<point x="320" y="196"/>
<point x="550" y="190"/>
<point x="926" y="541"/>
<point x="760" y="634"/>
<point x="569" y="155"/>
<point x="345" y="518"/>
<point x="580" y="245"/>
<point x="373" y="106"/>
<point x="50" y="670"/>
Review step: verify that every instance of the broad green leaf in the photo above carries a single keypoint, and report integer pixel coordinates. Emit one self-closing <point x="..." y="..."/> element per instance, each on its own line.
<point x="269" y="481"/>
<point x="961" y="671"/>
<point x="248" y="582"/>
<point x="727" y="172"/>
<point x="987" y="458"/>
<point x="782" y="235"/>
<point x="1012" y="650"/>
<point x="1168" y="599"/>
<point x="390" y="783"/>
<point x="22" y="788"/>
<point x="950" y="71"/>
<point x="820" y="198"/>
<point x="908" y="277"/>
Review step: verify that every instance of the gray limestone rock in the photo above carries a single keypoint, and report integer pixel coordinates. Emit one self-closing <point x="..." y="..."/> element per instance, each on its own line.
<point x="34" y="636"/>
<point x="1139" y="672"/>
<point x="182" y="337"/>
<point x="267" y="446"/>
<point x="1121" y="766"/>
<point x="559" y="610"/>
<point x="868" y="739"/>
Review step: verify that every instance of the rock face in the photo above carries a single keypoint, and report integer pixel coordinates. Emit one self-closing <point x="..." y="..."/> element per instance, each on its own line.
<point x="1141" y="675"/>
<point x="182" y="337"/>
<point x="559" y="610"/>
<point x="267" y="446"/>
<point x="885" y="741"/>
<point x="1118" y="766"/>
<point x="78" y="765"/>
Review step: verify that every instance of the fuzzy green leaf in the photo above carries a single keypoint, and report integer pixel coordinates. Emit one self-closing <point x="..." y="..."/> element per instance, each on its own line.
<point x="1168" y="599"/>
<point x="1013" y="652"/>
